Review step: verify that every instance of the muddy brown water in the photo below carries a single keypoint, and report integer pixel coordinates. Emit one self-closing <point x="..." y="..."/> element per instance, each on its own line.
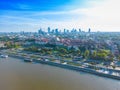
<point x="16" y="74"/>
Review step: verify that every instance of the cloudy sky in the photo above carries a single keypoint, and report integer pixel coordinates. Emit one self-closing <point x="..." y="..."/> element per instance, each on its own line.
<point x="30" y="15"/>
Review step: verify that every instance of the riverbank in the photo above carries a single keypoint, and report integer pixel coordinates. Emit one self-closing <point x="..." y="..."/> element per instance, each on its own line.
<point x="71" y="67"/>
<point x="77" y="69"/>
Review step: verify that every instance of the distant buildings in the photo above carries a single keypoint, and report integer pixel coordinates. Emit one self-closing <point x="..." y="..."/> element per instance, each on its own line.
<point x="64" y="31"/>
<point x="40" y="31"/>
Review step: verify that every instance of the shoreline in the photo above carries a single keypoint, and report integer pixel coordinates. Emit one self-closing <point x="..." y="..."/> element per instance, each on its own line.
<point x="71" y="67"/>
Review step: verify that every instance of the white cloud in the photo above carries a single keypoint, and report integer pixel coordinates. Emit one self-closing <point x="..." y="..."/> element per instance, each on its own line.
<point x="105" y="16"/>
<point x="102" y="16"/>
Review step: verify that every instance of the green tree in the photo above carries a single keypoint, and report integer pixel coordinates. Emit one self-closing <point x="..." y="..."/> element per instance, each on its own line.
<point x="78" y="52"/>
<point x="86" y="54"/>
<point x="63" y="50"/>
<point x="94" y="54"/>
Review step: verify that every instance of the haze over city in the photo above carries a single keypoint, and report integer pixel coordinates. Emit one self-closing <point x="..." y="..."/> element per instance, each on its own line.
<point x="30" y="15"/>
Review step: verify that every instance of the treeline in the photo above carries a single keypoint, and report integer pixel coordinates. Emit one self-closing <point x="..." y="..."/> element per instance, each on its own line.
<point x="100" y="54"/>
<point x="12" y="45"/>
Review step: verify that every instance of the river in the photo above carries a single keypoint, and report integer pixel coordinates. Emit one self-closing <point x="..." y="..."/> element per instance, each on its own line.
<point x="18" y="75"/>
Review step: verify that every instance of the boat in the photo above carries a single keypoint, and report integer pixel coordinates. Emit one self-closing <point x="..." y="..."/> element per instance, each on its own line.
<point x="28" y="60"/>
<point x="3" y="56"/>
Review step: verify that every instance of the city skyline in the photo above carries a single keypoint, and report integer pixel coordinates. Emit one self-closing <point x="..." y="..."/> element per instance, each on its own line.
<point x="102" y="15"/>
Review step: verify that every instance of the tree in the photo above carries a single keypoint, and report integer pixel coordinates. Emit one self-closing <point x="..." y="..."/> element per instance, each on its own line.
<point x="119" y="57"/>
<point x="111" y="57"/>
<point x="78" y="52"/>
<point x="16" y="45"/>
<point x="94" y="54"/>
<point x="86" y="54"/>
<point x="63" y="50"/>
<point x="101" y="56"/>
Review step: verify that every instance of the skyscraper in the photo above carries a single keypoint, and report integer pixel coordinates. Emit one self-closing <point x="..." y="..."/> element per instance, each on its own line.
<point x="49" y="30"/>
<point x="89" y="30"/>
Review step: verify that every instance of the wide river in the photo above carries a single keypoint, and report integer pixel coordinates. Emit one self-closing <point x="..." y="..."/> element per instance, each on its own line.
<point x="18" y="75"/>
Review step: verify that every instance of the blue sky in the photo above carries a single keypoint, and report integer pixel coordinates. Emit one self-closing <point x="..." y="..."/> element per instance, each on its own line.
<point x="38" y="5"/>
<point x="30" y="15"/>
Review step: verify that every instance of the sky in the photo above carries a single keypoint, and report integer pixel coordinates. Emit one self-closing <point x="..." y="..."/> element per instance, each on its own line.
<point x="30" y="15"/>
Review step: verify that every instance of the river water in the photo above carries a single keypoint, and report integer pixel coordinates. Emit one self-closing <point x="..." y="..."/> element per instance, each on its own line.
<point x="18" y="75"/>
